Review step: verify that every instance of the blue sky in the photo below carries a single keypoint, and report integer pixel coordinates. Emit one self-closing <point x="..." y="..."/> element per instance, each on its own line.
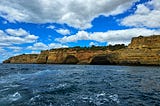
<point x="29" y="26"/>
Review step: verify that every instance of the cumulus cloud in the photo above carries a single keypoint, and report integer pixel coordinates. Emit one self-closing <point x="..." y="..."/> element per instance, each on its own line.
<point x="1" y="50"/>
<point x="93" y="44"/>
<point x="111" y="37"/>
<point x="4" y="44"/>
<point x="81" y="35"/>
<point x="35" y="52"/>
<point x="15" y="48"/>
<point x="56" y="45"/>
<point x="60" y="31"/>
<point x="38" y="46"/>
<point x="17" y="32"/>
<point x="16" y="36"/>
<point x="146" y="15"/>
<point x="51" y="27"/>
<point x="41" y="46"/>
<point x="4" y="54"/>
<point x="75" y="13"/>
<point x="63" y="31"/>
<point x="11" y="40"/>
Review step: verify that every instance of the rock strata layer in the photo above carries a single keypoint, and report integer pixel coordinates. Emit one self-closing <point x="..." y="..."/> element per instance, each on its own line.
<point x="141" y="51"/>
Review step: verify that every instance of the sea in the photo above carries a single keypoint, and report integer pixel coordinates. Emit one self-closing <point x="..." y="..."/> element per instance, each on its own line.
<point x="79" y="85"/>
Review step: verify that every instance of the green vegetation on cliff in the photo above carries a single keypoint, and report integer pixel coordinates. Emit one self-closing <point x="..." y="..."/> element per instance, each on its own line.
<point x="109" y="47"/>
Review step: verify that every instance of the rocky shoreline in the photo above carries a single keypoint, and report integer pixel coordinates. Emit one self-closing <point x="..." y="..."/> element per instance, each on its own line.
<point x="141" y="51"/>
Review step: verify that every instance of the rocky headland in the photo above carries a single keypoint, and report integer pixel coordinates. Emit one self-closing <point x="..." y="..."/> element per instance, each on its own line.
<point x="141" y="51"/>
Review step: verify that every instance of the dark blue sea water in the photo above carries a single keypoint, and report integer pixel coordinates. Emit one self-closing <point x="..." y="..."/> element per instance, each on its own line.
<point x="79" y="85"/>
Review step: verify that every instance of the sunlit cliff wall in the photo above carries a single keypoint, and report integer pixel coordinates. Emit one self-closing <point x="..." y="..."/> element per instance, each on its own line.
<point x="141" y="51"/>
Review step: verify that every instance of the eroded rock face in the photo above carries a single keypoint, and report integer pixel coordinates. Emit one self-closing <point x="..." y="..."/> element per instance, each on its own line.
<point x="151" y="42"/>
<point x="141" y="51"/>
<point x="70" y="59"/>
<point x="108" y="59"/>
<point x="72" y="56"/>
<point x="143" y="56"/>
<point x="42" y="57"/>
<point x="101" y="60"/>
<point x="25" y="59"/>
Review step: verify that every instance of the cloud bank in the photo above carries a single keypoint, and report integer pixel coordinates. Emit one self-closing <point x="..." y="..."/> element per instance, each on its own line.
<point x="111" y="37"/>
<point x="16" y="36"/>
<point x="41" y="46"/>
<point x="75" y="13"/>
<point x="146" y="15"/>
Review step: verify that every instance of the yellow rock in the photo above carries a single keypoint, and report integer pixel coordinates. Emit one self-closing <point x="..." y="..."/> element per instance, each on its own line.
<point x="141" y="51"/>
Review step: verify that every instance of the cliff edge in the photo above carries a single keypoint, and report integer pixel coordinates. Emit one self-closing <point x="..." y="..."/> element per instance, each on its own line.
<point x="141" y="51"/>
<point x="24" y="59"/>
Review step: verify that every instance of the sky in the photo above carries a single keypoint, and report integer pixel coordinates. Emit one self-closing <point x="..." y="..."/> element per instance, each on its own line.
<point x="29" y="26"/>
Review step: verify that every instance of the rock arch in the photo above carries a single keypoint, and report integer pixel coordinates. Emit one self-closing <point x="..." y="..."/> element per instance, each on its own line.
<point x="71" y="59"/>
<point x="101" y="60"/>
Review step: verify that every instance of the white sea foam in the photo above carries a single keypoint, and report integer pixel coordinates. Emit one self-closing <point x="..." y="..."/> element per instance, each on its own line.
<point x="98" y="99"/>
<point x="101" y="95"/>
<point x="18" y="76"/>
<point x="16" y="96"/>
<point x="11" y="98"/>
<point x="62" y="85"/>
<point x="114" y="98"/>
<point x="34" y="100"/>
<point x="2" y="90"/>
<point x="119" y="70"/>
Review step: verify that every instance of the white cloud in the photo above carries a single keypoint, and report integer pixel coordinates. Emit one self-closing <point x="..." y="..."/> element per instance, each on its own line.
<point x="60" y="31"/>
<point x="41" y="46"/>
<point x="4" y="44"/>
<point x="4" y="54"/>
<point x="93" y="43"/>
<point x="76" y="13"/>
<point x="35" y="52"/>
<point x="31" y="38"/>
<point x="17" y="32"/>
<point x="4" y="22"/>
<point x="63" y="31"/>
<point x="10" y="41"/>
<point x="15" y="48"/>
<point x="16" y="36"/>
<point x="146" y="15"/>
<point x="38" y="46"/>
<point x="51" y="27"/>
<point x="111" y="37"/>
<point x="56" y="45"/>
<point x="81" y="35"/>
<point x="1" y="50"/>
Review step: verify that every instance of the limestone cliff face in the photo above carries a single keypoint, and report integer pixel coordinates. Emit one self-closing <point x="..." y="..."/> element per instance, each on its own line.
<point x="25" y="59"/>
<point x="137" y="57"/>
<point x="141" y="51"/>
<point x="42" y="57"/>
<point x="151" y="42"/>
<point x="71" y="56"/>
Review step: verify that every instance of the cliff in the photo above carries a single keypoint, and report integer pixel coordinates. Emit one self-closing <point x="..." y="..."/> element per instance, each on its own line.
<point x="141" y="51"/>
<point x="68" y="56"/>
<point x="150" y="42"/>
<point x="24" y="59"/>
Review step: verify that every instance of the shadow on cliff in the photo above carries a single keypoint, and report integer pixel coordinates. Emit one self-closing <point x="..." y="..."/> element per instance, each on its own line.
<point x="70" y="59"/>
<point x="102" y="60"/>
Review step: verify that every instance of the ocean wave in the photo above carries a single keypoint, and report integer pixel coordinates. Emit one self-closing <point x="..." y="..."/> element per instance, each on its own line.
<point x="11" y="98"/>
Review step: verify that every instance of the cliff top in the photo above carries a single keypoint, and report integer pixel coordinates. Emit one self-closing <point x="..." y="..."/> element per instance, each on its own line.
<point x="134" y="53"/>
<point x="92" y="48"/>
<point x="145" y="42"/>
